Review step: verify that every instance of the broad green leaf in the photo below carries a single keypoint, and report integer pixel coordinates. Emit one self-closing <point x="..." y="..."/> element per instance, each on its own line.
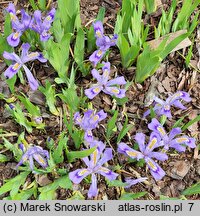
<point x="72" y="155"/>
<point x="79" y="50"/>
<point x="14" y="184"/>
<point x="191" y="122"/>
<point x="58" y="31"/>
<point x="111" y="125"/>
<point x="58" y="152"/>
<point x="13" y="148"/>
<point x="24" y="194"/>
<point x="70" y="97"/>
<point x="69" y="13"/>
<point x="48" y="192"/>
<point x="59" y="57"/>
<point x="32" y="109"/>
<point x="150" y="6"/>
<point x="178" y="122"/>
<point x="124" y="130"/>
<point x="33" y="4"/>
<point x="3" y="158"/>
<point x="79" y="47"/>
<point x="7" y="26"/>
<point x="116" y="183"/>
<point x="18" y="115"/>
<point x="11" y="83"/>
<point x="194" y="189"/>
<point x="42" y="4"/>
<point x="49" y="92"/>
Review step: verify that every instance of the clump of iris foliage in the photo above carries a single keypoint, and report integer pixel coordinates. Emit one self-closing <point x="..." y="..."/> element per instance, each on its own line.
<point x="56" y="38"/>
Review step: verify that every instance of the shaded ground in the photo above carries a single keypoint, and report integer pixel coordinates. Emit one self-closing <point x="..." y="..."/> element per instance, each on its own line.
<point x="182" y="169"/>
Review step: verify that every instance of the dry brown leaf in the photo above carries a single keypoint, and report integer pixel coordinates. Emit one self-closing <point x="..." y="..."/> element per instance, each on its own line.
<point x="166" y="84"/>
<point x="194" y="127"/>
<point x="185" y="43"/>
<point x="158" y="3"/>
<point x="198" y="46"/>
<point x="181" y="83"/>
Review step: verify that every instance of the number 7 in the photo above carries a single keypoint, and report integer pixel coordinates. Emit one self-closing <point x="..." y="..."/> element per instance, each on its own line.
<point x="191" y="204"/>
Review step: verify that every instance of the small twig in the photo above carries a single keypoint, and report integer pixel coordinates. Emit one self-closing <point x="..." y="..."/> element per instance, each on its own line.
<point x="88" y="23"/>
<point x="138" y="175"/>
<point x="189" y="63"/>
<point x="9" y="134"/>
<point x="109" y="25"/>
<point x="61" y="116"/>
<point x="70" y="49"/>
<point x="5" y="2"/>
<point x="48" y="5"/>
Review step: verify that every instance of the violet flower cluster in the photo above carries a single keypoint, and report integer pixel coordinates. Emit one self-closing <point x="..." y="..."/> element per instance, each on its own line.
<point x="159" y="136"/>
<point x="162" y="107"/>
<point x="89" y="121"/>
<point x="103" y="43"/>
<point x="39" y="25"/>
<point x="147" y="153"/>
<point x="34" y="152"/>
<point x="35" y="23"/>
<point x="171" y="141"/>
<point x="104" y="83"/>
<point x="18" y="62"/>
<point x="95" y="166"/>
<point x="99" y="157"/>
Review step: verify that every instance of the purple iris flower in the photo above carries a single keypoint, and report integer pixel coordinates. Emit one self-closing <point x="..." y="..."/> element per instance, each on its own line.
<point x="34" y="152"/>
<point x="89" y="121"/>
<point x="18" y="26"/>
<point x="178" y="143"/>
<point x="103" y="43"/>
<point x="147" y="153"/>
<point x="163" y="107"/>
<point x="97" y="56"/>
<point x="104" y="85"/>
<point x="19" y="62"/>
<point x="41" y="25"/>
<point x="130" y="182"/>
<point x="94" y="166"/>
<point x="38" y="120"/>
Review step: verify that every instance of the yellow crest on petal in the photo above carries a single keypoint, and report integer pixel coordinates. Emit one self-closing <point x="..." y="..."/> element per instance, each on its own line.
<point x="82" y="172"/>
<point x="151" y="165"/>
<point x="167" y="107"/>
<point x="132" y="154"/>
<point x="96" y="117"/>
<point x="41" y="160"/>
<point x="104" y="169"/>
<point x="16" y="35"/>
<point x="152" y="143"/>
<point x="99" y="53"/>
<point x="161" y="130"/>
<point x="96" y="90"/>
<point x="49" y="18"/>
<point x="181" y="140"/>
<point x="32" y="55"/>
<point x="16" y="66"/>
<point x="98" y="33"/>
<point x="12" y="17"/>
<point x="115" y="91"/>
<point x="95" y="157"/>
